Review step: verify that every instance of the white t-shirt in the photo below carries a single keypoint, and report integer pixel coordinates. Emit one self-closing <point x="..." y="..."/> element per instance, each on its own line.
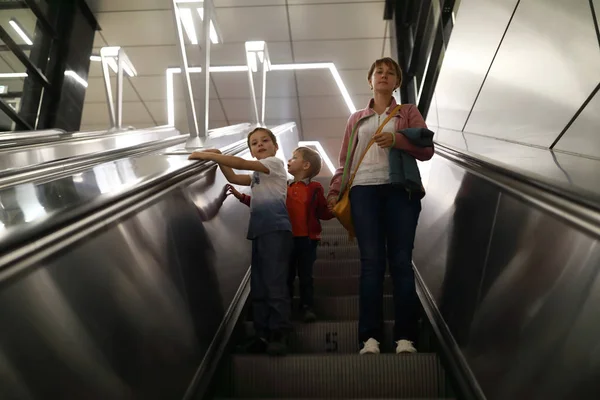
<point x="268" y="212"/>
<point x="375" y="167"/>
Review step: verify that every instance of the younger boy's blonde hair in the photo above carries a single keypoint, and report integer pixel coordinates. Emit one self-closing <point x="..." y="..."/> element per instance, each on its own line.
<point x="313" y="158"/>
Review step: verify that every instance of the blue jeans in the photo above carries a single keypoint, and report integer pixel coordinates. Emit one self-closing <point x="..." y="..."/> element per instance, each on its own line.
<point x="385" y="220"/>
<point x="270" y="295"/>
<point x="304" y="254"/>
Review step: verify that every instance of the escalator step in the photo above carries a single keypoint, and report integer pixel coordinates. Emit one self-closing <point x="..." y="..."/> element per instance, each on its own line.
<point x="341" y="286"/>
<point x="338" y="253"/>
<point x="312" y="398"/>
<point x="338" y="268"/>
<point x="344" y="308"/>
<point x="329" y="337"/>
<point x="337" y="376"/>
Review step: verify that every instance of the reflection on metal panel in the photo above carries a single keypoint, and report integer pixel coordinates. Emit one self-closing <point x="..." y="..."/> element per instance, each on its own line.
<point x="548" y="64"/>
<point x="517" y="287"/>
<point x="579" y="174"/>
<point x="479" y="27"/>
<point x="583" y="137"/>
<point x="129" y="311"/>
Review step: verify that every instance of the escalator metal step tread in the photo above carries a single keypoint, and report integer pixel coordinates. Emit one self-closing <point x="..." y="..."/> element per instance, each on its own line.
<point x="339" y="337"/>
<point x="339" y="376"/>
<point x="339" y="268"/>
<point x="338" y="253"/>
<point x="344" y="308"/>
<point x="340" y="286"/>
<point x="323" y="398"/>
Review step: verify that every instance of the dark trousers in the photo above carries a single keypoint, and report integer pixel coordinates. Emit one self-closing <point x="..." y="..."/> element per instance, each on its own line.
<point x="385" y="220"/>
<point x="268" y="282"/>
<point x="303" y="256"/>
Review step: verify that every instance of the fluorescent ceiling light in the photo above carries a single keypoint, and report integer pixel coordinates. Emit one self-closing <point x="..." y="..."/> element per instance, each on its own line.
<point x="214" y="38"/>
<point x="79" y="79"/>
<point x="14" y="75"/>
<point x="321" y="151"/>
<point x="17" y="27"/>
<point x="185" y="15"/>
<point x="243" y="68"/>
<point x="95" y="58"/>
<point x="257" y="45"/>
<point x="334" y="72"/>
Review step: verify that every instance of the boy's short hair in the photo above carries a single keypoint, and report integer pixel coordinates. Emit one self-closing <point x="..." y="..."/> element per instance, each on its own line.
<point x="314" y="159"/>
<point x="271" y="135"/>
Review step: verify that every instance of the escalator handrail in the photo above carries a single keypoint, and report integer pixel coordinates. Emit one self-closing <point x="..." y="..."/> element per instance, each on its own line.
<point x="63" y="229"/>
<point x="62" y="167"/>
<point x="579" y="209"/>
<point x="28" y="135"/>
<point x="74" y="137"/>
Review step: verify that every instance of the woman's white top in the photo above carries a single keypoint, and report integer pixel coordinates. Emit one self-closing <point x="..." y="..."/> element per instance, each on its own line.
<point x="375" y="167"/>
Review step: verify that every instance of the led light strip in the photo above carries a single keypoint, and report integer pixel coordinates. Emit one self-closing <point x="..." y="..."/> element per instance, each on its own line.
<point x="77" y="78"/>
<point x="244" y="68"/>
<point x="321" y="150"/>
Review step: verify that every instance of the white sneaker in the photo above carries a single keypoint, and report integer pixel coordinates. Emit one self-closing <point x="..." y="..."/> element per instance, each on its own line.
<point x="371" y="347"/>
<point x="405" y="346"/>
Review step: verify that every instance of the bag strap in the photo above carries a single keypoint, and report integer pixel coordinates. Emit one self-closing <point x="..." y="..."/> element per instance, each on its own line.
<point x="383" y="124"/>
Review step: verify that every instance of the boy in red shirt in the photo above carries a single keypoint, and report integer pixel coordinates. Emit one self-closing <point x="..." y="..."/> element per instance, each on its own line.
<point x="306" y="205"/>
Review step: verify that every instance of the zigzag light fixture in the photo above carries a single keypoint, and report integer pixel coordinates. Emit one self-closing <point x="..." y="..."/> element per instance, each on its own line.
<point x="244" y="68"/>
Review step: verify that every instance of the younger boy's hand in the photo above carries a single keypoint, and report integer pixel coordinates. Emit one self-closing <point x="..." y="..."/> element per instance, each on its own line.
<point x="216" y="151"/>
<point x="234" y="192"/>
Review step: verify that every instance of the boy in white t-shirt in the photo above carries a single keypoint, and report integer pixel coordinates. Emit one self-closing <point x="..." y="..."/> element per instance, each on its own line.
<point x="271" y="233"/>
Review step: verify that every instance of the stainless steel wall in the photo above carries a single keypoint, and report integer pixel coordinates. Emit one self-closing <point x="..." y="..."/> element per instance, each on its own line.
<point x="128" y="311"/>
<point x="518" y="287"/>
<point x="521" y="71"/>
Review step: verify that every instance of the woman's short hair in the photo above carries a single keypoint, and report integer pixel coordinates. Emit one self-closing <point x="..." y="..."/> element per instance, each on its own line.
<point x="391" y="63"/>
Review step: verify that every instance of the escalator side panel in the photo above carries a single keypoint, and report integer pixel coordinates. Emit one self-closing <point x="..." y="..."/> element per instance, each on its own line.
<point x="513" y="283"/>
<point x="128" y="312"/>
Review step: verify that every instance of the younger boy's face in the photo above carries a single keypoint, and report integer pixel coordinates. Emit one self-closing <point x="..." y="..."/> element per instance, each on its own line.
<point x="261" y="145"/>
<point x="297" y="165"/>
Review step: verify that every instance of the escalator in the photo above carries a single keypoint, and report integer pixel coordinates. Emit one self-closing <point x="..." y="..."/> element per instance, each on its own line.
<point x="133" y="284"/>
<point x="323" y="360"/>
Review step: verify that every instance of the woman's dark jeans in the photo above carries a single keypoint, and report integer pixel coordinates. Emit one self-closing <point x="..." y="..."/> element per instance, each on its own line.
<point x="385" y="220"/>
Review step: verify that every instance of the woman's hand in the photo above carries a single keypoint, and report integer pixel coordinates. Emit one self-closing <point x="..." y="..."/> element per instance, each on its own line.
<point x="233" y="191"/>
<point x="331" y="202"/>
<point x="384" y="139"/>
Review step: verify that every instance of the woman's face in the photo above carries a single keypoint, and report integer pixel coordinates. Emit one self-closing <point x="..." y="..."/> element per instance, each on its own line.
<point x="384" y="79"/>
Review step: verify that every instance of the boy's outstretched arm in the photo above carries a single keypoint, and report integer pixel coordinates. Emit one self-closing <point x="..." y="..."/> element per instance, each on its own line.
<point x="228" y="162"/>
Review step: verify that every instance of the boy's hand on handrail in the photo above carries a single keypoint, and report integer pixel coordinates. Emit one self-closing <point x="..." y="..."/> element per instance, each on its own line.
<point x="204" y="154"/>
<point x="233" y="191"/>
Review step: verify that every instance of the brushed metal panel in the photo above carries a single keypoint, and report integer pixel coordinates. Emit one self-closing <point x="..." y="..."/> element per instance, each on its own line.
<point x="548" y="64"/>
<point x="583" y="137"/>
<point x="476" y="35"/>
<point x="578" y="174"/>
<point x="129" y="311"/>
<point x="540" y="272"/>
<point x="452" y="241"/>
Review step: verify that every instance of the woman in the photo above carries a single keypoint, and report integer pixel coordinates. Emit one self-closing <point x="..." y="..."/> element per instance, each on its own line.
<point x="385" y="204"/>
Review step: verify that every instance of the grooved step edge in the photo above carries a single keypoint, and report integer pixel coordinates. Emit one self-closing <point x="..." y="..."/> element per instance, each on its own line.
<point x="338" y="376"/>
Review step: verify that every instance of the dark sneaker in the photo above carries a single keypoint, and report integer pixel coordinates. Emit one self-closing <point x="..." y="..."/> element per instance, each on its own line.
<point x="255" y="345"/>
<point x="277" y="345"/>
<point x="309" y="315"/>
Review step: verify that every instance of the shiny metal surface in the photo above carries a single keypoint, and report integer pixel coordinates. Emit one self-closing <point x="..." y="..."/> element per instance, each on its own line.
<point x="578" y="173"/>
<point x="22" y="156"/>
<point x="126" y="303"/>
<point x="69" y="166"/>
<point x="13" y="136"/>
<point x="517" y="287"/>
<point x="476" y="35"/>
<point x="582" y="137"/>
<point x="539" y="79"/>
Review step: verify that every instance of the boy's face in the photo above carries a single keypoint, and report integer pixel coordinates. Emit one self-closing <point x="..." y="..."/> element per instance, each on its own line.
<point x="261" y="145"/>
<point x="297" y="165"/>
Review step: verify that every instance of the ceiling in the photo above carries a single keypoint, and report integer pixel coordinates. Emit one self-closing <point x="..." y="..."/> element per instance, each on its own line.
<point x="351" y="34"/>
